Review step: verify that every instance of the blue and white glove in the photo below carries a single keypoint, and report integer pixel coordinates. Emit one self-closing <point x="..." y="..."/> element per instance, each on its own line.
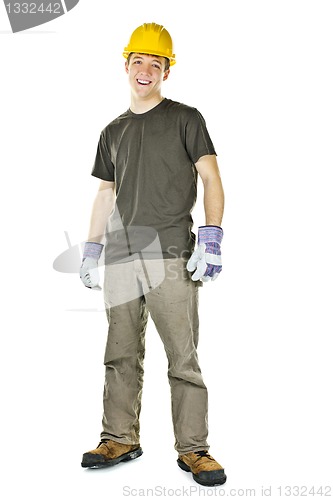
<point x="206" y="259"/>
<point x="89" y="268"/>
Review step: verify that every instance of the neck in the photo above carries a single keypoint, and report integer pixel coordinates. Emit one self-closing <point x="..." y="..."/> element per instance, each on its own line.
<point x="139" y="106"/>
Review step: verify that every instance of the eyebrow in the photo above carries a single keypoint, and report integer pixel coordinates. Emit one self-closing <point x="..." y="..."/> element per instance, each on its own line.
<point x="154" y="60"/>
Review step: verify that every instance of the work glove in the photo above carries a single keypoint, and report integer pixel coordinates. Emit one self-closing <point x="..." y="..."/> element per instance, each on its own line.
<point x="206" y="259"/>
<point x="89" y="273"/>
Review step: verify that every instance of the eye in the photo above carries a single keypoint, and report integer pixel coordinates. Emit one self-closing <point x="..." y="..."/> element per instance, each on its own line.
<point x="157" y="66"/>
<point x="137" y="62"/>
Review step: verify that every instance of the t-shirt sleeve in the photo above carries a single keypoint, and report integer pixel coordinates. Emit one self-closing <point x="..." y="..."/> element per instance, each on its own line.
<point x="197" y="140"/>
<point x="103" y="167"/>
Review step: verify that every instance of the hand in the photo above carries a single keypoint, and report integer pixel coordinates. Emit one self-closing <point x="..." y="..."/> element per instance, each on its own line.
<point x="89" y="273"/>
<point x="206" y="260"/>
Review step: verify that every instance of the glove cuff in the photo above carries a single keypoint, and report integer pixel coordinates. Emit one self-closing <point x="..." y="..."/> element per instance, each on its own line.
<point x="92" y="249"/>
<point x="210" y="234"/>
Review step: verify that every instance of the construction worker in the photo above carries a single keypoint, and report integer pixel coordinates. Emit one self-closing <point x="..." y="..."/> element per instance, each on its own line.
<point x="148" y="159"/>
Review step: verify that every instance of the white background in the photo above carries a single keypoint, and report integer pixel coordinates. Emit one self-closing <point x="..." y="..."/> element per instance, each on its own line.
<point x="261" y="74"/>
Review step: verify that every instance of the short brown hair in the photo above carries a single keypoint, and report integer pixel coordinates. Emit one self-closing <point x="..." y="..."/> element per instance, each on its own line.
<point x="166" y="63"/>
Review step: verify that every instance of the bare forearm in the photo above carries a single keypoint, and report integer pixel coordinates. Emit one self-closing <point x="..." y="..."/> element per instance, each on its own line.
<point x="213" y="201"/>
<point x="101" y="210"/>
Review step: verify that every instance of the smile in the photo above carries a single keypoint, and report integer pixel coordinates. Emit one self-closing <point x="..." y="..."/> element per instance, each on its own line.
<point x="143" y="82"/>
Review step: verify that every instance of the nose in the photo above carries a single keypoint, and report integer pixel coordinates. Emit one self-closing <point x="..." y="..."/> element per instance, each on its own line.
<point x="145" y="68"/>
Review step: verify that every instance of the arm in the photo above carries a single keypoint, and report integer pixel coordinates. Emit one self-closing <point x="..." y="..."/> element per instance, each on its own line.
<point x="206" y="259"/>
<point x="208" y="170"/>
<point x="102" y="207"/>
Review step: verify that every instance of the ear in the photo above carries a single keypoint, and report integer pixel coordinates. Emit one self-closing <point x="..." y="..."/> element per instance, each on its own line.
<point x="126" y="66"/>
<point x="166" y="74"/>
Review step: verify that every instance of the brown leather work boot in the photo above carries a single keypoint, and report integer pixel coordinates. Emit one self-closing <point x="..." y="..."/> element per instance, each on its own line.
<point x="110" y="452"/>
<point x="205" y="470"/>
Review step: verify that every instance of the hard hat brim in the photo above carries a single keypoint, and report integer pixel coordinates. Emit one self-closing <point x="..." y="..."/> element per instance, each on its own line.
<point x="126" y="53"/>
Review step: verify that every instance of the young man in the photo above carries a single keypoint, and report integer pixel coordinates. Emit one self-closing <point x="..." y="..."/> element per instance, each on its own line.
<point x="148" y="159"/>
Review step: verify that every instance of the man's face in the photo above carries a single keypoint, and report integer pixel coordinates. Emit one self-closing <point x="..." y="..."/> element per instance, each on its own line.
<point x="146" y="74"/>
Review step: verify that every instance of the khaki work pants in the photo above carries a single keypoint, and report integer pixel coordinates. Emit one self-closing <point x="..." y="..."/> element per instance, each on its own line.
<point x="162" y="288"/>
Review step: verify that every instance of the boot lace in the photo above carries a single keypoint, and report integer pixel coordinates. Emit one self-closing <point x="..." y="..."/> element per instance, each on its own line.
<point x="103" y="442"/>
<point x="203" y="453"/>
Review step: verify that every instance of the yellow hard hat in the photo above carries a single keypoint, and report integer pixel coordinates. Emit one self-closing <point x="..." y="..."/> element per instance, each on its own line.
<point x="151" y="38"/>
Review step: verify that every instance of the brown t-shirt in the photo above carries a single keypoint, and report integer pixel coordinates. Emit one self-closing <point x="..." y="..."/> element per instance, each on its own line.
<point x="150" y="157"/>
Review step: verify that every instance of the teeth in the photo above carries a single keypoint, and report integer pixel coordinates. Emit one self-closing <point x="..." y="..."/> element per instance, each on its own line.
<point x="144" y="82"/>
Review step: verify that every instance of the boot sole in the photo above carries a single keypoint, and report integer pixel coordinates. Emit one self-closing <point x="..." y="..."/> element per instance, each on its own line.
<point x="216" y="477"/>
<point x="94" y="461"/>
